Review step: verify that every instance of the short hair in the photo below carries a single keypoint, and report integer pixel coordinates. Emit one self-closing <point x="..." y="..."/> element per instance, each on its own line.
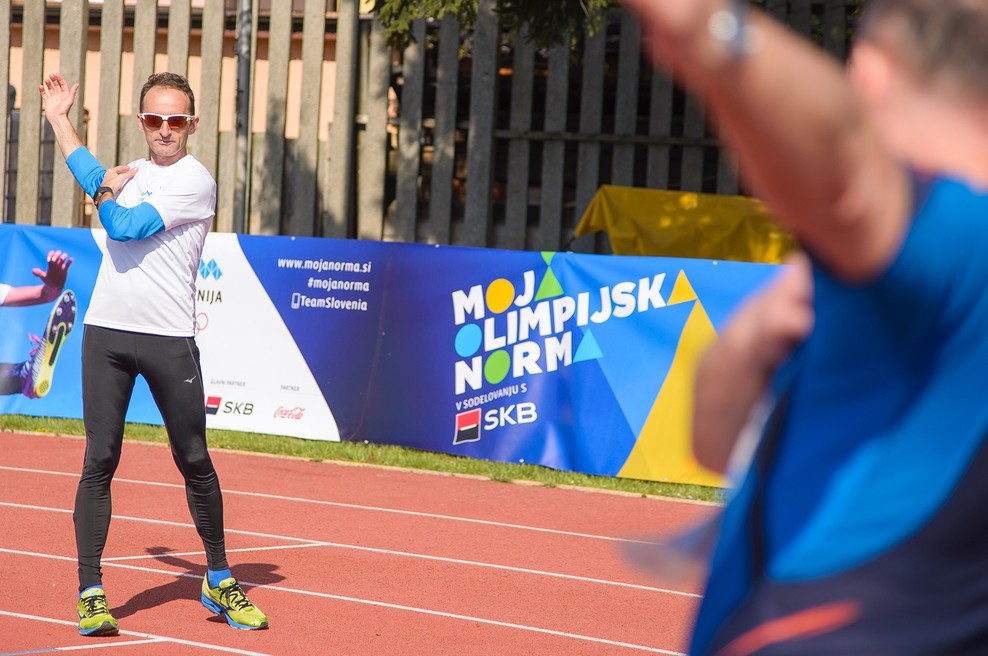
<point x="939" y="40"/>
<point x="169" y="81"/>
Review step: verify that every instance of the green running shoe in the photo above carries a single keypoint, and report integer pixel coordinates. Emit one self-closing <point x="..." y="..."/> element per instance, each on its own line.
<point x="230" y="601"/>
<point x="94" y="614"/>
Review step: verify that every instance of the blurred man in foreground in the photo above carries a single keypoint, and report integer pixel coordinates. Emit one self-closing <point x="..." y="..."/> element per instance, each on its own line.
<point x="859" y="525"/>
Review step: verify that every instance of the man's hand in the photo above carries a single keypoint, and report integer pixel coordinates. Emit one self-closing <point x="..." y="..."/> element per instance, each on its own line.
<point x="57" y="95"/>
<point x="58" y="98"/>
<point x="735" y="371"/>
<point x="117" y="177"/>
<point x="54" y="277"/>
<point x="678" y="32"/>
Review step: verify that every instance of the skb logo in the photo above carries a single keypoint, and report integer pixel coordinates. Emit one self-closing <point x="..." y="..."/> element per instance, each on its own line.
<point x="511" y="415"/>
<point x="215" y="405"/>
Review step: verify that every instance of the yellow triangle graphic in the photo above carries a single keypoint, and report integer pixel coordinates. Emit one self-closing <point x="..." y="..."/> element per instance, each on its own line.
<point x="663" y="451"/>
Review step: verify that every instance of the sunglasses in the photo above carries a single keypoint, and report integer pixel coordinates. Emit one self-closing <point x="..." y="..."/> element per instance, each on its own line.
<point x="175" y="121"/>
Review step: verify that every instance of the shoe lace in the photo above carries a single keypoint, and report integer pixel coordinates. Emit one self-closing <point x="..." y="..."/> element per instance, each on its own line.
<point x="235" y="597"/>
<point x="95" y="605"/>
<point x="37" y="344"/>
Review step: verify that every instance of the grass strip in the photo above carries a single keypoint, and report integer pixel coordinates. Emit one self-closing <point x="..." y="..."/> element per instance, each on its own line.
<point x="379" y="454"/>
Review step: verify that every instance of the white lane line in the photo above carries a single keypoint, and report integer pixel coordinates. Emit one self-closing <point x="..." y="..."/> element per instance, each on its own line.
<point x="389" y="552"/>
<point x="97" y="645"/>
<point x="368" y="602"/>
<point x="148" y="638"/>
<point x="353" y="506"/>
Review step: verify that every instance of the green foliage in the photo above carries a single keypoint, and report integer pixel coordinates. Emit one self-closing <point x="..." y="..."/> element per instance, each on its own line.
<point x="553" y="22"/>
<point x="550" y="22"/>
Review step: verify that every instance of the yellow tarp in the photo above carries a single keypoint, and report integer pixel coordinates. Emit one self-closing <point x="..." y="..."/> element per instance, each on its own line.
<point x="685" y="224"/>
<point x="681" y="224"/>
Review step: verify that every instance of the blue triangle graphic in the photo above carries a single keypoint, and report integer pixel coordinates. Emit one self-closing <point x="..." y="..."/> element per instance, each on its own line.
<point x="588" y="349"/>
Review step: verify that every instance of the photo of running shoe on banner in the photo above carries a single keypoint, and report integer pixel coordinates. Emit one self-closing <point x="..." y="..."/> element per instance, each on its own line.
<point x="34" y="376"/>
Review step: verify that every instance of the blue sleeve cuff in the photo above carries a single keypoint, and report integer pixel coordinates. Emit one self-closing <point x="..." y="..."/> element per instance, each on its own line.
<point x="126" y="223"/>
<point x="87" y="171"/>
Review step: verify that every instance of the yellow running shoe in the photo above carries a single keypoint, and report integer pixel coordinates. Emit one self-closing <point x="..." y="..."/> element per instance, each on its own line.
<point x="230" y="601"/>
<point x="94" y="614"/>
<point x="41" y="367"/>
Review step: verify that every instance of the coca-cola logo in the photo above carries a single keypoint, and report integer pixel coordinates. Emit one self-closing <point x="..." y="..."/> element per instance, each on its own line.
<point x="289" y="413"/>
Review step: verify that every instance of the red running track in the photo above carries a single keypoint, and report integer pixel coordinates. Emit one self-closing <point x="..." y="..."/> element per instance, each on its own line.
<point x="343" y="559"/>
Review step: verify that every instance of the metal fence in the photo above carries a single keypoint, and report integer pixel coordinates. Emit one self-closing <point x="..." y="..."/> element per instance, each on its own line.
<point x="477" y="139"/>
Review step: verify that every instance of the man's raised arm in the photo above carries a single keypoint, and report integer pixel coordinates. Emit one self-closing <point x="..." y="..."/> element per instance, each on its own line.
<point x="802" y="138"/>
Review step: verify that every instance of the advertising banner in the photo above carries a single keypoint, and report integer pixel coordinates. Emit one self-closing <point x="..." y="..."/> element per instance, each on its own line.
<point x="576" y="362"/>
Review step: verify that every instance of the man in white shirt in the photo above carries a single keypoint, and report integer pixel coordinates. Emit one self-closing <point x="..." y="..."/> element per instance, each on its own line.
<point x="141" y="321"/>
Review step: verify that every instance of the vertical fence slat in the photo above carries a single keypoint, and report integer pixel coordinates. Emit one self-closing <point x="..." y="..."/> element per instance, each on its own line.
<point x="519" y="149"/>
<point x="727" y="177"/>
<point x="626" y="101"/>
<point x="132" y="143"/>
<point x="659" y="125"/>
<point x="303" y="220"/>
<point x="179" y="25"/>
<point x="227" y="169"/>
<point x="374" y="147"/>
<point x="695" y="128"/>
<point x="73" y="34"/>
<point x="410" y="136"/>
<point x="777" y="8"/>
<point x="29" y="132"/>
<point x="269" y="148"/>
<point x="480" y="140"/>
<point x="835" y="28"/>
<point x="800" y="18"/>
<point x="444" y="134"/>
<point x="341" y="139"/>
<point x="211" y="56"/>
<point x="111" y="47"/>
<point x="4" y="101"/>
<point x="554" y="150"/>
<point x="591" y="110"/>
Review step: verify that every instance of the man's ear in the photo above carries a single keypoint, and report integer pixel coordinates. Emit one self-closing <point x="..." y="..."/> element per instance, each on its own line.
<point x="193" y="125"/>
<point x="870" y="72"/>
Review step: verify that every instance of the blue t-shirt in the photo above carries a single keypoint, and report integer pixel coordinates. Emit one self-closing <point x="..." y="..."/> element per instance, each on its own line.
<point x="885" y="409"/>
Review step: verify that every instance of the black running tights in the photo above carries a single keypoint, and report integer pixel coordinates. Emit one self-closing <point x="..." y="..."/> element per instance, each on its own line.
<point x="111" y="362"/>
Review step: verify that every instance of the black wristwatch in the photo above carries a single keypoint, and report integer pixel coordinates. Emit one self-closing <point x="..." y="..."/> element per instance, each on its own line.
<point x="102" y="191"/>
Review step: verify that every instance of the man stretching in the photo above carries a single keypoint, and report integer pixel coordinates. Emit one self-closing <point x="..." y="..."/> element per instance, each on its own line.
<point x="141" y="321"/>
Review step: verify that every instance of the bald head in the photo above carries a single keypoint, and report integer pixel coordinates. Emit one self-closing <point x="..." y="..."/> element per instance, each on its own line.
<point x="941" y="43"/>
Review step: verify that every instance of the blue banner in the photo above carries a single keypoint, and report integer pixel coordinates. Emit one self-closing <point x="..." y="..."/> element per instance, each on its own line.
<point x="572" y="361"/>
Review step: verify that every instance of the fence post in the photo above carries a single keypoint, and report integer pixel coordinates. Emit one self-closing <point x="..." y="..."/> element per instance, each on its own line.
<point x="179" y="25"/>
<point x="444" y="134"/>
<point x="554" y="150"/>
<point x="372" y="172"/>
<point x="268" y="156"/>
<point x="73" y="28"/>
<point x="29" y="132"/>
<point x="519" y="147"/>
<point x="480" y="140"/>
<point x="410" y="136"/>
<point x="132" y="144"/>
<point x="626" y="102"/>
<point x="211" y="54"/>
<point x="110" y="47"/>
<point x="303" y="220"/>
<point x="339" y="205"/>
